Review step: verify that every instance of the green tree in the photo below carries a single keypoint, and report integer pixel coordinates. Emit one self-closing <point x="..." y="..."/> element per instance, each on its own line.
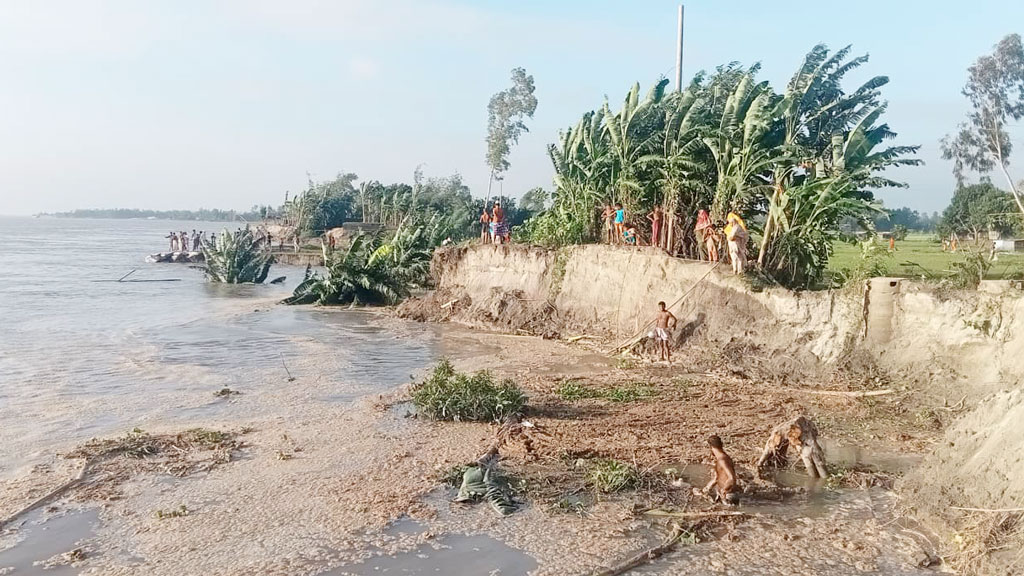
<point x="506" y="121"/>
<point x="978" y="208"/>
<point x="534" y="200"/>
<point x="995" y="90"/>
<point x="324" y="205"/>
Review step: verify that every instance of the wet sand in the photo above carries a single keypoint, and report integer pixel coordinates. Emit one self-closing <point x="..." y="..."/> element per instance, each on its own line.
<point x="350" y="485"/>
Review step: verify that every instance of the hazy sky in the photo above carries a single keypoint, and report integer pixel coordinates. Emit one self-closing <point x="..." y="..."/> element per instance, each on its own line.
<point x="183" y="104"/>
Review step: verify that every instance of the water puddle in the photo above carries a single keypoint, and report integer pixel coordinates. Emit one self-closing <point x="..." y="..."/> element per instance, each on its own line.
<point x="450" y="555"/>
<point x="850" y="456"/>
<point x="40" y="538"/>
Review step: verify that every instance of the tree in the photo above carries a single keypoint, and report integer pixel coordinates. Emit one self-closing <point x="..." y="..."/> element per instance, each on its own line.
<point x="976" y="209"/>
<point x="236" y="258"/>
<point x="801" y="162"/>
<point x="324" y="205"/>
<point x="506" y="121"/>
<point x="534" y="200"/>
<point x="995" y="90"/>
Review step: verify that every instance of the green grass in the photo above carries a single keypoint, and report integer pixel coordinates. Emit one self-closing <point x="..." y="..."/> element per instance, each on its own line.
<point x="922" y="255"/>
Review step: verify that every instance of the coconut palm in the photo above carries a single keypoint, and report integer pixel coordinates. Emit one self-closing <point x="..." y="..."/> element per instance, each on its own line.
<point x="236" y="258"/>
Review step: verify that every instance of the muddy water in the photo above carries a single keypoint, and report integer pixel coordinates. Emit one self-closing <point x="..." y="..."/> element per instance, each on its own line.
<point x="80" y="358"/>
<point x="41" y="537"/>
<point x="448" y="554"/>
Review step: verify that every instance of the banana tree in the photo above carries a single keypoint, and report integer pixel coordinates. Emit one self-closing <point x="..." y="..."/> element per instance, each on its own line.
<point x="633" y="134"/>
<point x="808" y="216"/>
<point x="236" y="258"/>
<point x="686" y="163"/>
<point x="742" y="155"/>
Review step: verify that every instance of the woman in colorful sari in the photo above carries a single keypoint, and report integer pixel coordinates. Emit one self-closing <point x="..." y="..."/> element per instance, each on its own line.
<point x="705" y="232"/>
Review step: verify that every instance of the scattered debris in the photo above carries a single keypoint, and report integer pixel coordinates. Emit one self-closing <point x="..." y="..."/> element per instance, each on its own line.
<point x="226" y="392"/>
<point x="178" y="512"/>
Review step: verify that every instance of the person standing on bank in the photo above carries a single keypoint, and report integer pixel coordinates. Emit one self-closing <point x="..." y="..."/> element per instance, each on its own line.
<point x="656" y="216"/>
<point x="736" y="234"/>
<point x="485" y="226"/>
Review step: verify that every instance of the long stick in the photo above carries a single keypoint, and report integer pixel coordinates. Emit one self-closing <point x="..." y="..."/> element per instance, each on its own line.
<point x="705" y="514"/>
<point x="855" y="394"/>
<point x="636" y="337"/>
<point x="50" y="495"/>
<point x="994" y="510"/>
<point x="645" y="556"/>
<point x="127" y="275"/>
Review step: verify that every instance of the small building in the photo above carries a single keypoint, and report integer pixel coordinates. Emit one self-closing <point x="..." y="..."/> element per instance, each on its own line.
<point x="1008" y="245"/>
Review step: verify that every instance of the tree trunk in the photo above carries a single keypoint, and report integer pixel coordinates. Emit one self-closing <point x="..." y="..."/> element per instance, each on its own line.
<point x="768" y="225"/>
<point x="671" y="221"/>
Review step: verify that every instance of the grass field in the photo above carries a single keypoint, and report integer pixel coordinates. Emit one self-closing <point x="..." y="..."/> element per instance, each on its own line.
<point x="922" y="255"/>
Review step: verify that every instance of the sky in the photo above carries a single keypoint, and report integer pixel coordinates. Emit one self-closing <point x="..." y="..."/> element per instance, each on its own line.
<point x="182" y="104"/>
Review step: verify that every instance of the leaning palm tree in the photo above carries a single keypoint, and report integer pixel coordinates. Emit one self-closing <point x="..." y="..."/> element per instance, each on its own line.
<point x="237" y="258"/>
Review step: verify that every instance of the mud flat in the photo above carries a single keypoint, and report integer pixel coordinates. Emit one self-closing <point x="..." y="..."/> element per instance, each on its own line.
<point x="350" y="488"/>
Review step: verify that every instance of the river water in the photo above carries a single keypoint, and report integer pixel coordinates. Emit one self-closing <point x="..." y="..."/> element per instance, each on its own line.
<point x="81" y="358"/>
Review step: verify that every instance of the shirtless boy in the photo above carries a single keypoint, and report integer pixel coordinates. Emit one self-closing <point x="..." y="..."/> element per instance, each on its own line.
<point x="724" y="479"/>
<point x="609" y="228"/>
<point x="663" y="324"/>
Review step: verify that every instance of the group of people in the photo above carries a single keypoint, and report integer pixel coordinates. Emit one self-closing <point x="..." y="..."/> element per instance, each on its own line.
<point x="618" y="231"/>
<point x="185" y="242"/>
<point x="735" y="236"/>
<point x="493" y="227"/>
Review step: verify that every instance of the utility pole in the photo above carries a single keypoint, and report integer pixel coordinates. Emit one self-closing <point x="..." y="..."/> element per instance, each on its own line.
<point x="679" y="53"/>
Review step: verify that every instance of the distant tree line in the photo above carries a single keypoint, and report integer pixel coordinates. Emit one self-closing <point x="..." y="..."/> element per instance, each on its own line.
<point x="203" y="214"/>
<point x="908" y="219"/>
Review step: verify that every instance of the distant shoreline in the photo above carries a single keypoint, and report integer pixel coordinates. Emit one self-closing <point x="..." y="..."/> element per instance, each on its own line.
<point x="202" y="215"/>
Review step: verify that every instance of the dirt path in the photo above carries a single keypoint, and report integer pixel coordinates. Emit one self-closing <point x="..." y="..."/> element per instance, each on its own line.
<point x="315" y="487"/>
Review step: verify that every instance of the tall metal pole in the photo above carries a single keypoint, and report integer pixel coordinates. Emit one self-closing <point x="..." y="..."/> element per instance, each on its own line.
<point x="679" y="53"/>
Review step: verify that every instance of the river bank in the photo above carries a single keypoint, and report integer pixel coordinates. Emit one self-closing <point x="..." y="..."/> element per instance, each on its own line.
<point x="316" y="467"/>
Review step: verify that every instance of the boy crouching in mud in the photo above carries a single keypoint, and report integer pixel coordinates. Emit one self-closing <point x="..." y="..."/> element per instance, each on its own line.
<point x="663" y="324"/>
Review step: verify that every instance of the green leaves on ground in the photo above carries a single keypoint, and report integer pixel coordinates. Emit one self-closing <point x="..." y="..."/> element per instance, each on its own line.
<point x="608" y="475"/>
<point x="450" y="395"/>
<point x="237" y="258"/>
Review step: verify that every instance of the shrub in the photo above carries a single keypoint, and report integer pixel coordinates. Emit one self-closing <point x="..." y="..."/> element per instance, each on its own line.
<point x="450" y="395"/>
<point x="608" y="476"/>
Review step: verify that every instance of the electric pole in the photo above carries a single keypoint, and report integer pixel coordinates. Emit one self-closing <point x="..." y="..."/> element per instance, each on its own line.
<point x="679" y="53"/>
